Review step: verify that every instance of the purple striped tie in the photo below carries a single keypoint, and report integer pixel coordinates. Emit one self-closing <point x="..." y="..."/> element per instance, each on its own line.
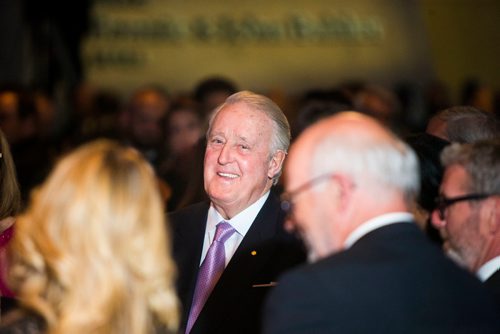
<point x="210" y="271"/>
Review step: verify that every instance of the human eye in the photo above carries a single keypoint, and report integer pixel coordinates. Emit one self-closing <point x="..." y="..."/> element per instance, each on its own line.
<point x="216" y="141"/>
<point x="244" y="147"/>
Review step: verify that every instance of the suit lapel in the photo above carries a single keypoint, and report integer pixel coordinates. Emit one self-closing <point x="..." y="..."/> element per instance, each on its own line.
<point x="188" y="234"/>
<point x="493" y="283"/>
<point x="254" y="252"/>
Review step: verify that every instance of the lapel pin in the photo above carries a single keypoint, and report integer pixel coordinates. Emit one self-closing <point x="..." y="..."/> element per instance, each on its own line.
<point x="253" y="253"/>
<point x="267" y="285"/>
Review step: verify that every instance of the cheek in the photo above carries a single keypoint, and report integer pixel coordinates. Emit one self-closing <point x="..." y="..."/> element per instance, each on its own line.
<point x="246" y="164"/>
<point x="208" y="165"/>
<point x="454" y="226"/>
<point x="210" y="157"/>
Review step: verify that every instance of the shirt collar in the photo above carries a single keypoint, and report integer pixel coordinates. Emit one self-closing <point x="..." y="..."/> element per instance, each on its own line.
<point x="488" y="269"/>
<point x="375" y="223"/>
<point x="241" y="222"/>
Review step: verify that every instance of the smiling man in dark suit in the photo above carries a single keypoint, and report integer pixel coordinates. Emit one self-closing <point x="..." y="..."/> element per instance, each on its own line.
<point x="350" y="184"/>
<point x="230" y="250"/>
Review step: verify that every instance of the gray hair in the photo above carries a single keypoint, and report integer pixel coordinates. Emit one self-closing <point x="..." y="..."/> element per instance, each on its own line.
<point x="466" y="124"/>
<point x="481" y="160"/>
<point x="280" y="140"/>
<point x="389" y="165"/>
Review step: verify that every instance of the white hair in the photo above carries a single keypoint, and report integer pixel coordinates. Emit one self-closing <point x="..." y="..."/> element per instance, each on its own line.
<point x="387" y="165"/>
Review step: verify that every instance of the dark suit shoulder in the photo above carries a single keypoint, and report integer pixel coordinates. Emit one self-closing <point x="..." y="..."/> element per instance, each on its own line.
<point x="493" y="282"/>
<point x="493" y="285"/>
<point x="189" y="212"/>
<point x="395" y="277"/>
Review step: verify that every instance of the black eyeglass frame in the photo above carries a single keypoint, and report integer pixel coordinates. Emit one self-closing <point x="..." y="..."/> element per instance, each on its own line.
<point x="286" y="198"/>
<point x="443" y="202"/>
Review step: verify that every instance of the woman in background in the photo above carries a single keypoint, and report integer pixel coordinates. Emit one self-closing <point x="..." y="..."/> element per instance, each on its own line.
<point x="182" y="169"/>
<point x="91" y="254"/>
<point x="9" y="207"/>
<point x="9" y="189"/>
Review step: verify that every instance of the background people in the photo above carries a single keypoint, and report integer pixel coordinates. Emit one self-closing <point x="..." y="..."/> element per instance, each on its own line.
<point x="181" y="169"/>
<point x="464" y="124"/>
<point x="468" y="212"/>
<point x="143" y="121"/>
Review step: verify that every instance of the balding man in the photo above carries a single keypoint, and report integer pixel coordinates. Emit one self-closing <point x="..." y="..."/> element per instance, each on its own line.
<point x="349" y="185"/>
<point x="468" y="209"/>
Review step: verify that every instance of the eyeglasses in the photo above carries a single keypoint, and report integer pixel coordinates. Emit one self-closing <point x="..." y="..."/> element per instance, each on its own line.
<point x="287" y="197"/>
<point x="442" y="202"/>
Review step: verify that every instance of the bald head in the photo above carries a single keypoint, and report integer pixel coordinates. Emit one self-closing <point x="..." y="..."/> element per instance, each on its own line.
<point x="364" y="171"/>
<point x="358" y="145"/>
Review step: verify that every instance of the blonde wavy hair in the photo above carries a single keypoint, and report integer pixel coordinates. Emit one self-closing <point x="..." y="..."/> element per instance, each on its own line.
<point x="92" y="254"/>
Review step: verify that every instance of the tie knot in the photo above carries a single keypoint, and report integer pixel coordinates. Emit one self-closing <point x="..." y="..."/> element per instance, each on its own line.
<point x="224" y="231"/>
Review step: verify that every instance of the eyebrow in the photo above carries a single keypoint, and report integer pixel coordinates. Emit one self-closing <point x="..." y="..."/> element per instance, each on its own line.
<point x="245" y="139"/>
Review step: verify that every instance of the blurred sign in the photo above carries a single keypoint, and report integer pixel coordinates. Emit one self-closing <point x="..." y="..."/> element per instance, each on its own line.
<point x="259" y="44"/>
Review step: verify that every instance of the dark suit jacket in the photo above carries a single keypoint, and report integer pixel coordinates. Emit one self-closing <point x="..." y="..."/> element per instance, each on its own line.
<point x="392" y="280"/>
<point x="493" y="285"/>
<point x="234" y="305"/>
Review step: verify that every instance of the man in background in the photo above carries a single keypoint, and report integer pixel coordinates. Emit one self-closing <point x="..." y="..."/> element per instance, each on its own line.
<point x="143" y="122"/>
<point x="468" y="209"/>
<point x="350" y="183"/>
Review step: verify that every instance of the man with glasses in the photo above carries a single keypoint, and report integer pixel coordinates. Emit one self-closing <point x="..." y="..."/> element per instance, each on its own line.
<point x="350" y="184"/>
<point x="468" y="209"/>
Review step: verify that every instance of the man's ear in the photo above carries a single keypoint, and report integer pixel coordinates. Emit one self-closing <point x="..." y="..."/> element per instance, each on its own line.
<point x="344" y="187"/>
<point x="276" y="163"/>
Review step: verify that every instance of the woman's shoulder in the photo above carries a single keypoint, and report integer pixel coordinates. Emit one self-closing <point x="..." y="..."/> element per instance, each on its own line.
<point x="20" y="321"/>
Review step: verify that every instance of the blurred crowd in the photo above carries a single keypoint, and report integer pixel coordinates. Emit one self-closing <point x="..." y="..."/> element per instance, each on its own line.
<point x="169" y="129"/>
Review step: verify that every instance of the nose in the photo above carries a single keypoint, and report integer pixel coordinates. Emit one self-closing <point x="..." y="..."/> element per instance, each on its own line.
<point x="436" y="219"/>
<point x="225" y="155"/>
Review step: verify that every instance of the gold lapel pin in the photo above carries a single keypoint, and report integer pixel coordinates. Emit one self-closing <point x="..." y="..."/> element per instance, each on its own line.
<point x="253" y="253"/>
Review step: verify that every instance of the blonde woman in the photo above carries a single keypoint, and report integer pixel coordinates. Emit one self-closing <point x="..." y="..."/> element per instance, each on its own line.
<point x="91" y="254"/>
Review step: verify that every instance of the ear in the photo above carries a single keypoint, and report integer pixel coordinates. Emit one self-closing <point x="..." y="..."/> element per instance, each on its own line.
<point x="276" y="163"/>
<point x="436" y="221"/>
<point x="344" y="190"/>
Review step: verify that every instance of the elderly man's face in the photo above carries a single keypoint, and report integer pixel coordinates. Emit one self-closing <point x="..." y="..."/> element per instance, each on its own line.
<point x="238" y="167"/>
<point x="461" y="226"/>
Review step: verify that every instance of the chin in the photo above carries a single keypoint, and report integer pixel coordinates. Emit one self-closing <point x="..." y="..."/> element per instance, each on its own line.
<point x="220" y="196"/>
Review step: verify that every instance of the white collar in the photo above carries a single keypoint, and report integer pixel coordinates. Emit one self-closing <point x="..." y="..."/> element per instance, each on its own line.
<point x="488" y="269"/>
<point x="241" y="222"/>
<point x="377" y="222"/>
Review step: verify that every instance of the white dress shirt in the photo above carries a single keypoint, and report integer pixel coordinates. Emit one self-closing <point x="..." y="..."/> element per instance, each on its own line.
<point x="375" y="223"/>
<point x="241" y="223"/>
<point x="488" y="269"/>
